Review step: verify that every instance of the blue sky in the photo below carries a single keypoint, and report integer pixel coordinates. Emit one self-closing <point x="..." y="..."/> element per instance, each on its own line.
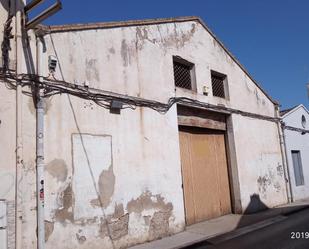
<point x="270" y="38"/>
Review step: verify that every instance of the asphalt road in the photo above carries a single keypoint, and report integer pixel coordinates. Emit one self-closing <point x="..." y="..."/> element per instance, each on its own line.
<point x="290" y="233"/>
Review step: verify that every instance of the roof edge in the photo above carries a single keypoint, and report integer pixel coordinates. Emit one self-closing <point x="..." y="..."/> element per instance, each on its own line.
<point x="106" y="25"/>
<point x="116" y="24"/>
<point x="295" y="109"/>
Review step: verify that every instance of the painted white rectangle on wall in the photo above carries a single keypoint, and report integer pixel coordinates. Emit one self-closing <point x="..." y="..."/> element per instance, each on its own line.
<point x="92" y="155"/>
<point x="3" y="214"/>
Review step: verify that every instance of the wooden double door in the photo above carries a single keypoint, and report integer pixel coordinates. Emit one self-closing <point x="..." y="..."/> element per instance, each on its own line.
<point x="205" y="174"/>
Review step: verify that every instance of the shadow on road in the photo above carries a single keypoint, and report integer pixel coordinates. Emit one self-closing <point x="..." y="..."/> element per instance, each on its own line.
<point x="255" y="213"/>
<point x="251" y="213"/>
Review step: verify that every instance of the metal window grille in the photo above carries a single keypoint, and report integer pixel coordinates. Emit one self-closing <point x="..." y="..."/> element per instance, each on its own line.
<point x="182" y="75"/>
<point x="218" y="85"/>
<point x="298" y="168"/>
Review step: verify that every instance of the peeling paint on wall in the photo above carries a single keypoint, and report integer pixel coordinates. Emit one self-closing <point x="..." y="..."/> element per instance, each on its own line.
<point x="159" y="225"/>
<point x="115" y="228"/>
<point x="106" y="185"/>
<point x="65" y="213"/>
<point x="115" y="225"/>
<point x="159" y="222"/>
<point x="92" y="72"/>
<point x="58" y="169"/>
<point x="148" y="201"/>
<point x="49" y="228"/>
<point x="125" y="53"/>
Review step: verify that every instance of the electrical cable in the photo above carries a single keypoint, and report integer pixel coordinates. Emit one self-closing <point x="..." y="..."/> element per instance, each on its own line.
<point x="291" y="128"/>
<point x="52" y="86"/>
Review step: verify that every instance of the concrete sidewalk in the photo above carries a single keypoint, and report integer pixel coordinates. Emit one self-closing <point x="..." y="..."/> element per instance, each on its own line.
<point x="225" y="227"/>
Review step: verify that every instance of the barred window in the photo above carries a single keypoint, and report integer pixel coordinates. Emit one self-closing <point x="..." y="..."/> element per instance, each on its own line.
<point x="219" y="83"/>
<point x="183" y="73"/>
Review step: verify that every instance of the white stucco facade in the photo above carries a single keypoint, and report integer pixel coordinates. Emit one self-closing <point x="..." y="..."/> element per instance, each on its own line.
<point x="296" y="141"/>
<point x="115" y="179"/>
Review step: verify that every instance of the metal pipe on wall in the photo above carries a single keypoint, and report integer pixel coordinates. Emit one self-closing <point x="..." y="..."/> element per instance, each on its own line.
<point x="40" y="153"/>
<point x="17" y="8"/>
<point x="284" y="159"/>
<point x="287" y="165"/>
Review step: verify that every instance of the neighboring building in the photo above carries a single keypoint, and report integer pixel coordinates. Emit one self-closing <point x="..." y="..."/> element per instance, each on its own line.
<point x="115" y="180"/>
<point x="296" y="131"/>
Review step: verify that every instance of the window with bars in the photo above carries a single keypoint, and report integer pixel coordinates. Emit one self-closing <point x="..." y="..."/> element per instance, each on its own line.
<point x="219" y="84"/>
<point x="183" y="73"/>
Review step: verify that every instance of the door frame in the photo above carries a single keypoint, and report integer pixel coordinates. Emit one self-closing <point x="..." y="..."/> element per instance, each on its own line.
<point x="213" y="120"/>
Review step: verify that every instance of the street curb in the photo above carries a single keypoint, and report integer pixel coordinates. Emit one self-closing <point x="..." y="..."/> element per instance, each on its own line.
<point x="219" y="238"/>
<point x="244" y="230"/>
<point x="295" y="209"/>
<point x="275" y="215"/>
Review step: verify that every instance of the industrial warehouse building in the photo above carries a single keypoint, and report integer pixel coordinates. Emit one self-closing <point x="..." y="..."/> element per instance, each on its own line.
<point x="149" y="126"/>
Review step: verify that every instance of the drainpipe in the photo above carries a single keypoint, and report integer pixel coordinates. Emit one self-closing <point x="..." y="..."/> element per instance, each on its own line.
<point x="19" y="143"/>
<point x="284" y="158"/>
<point x="287" y="163"/>
<point x="40" y="152"/>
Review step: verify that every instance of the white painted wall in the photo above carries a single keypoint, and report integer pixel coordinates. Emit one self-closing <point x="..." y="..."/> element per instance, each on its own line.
<point x="3" y="225"/>
<point x="260" y="165"/>
<point x="7" y="125"/>
<point x="138" y="61"/>
<point x="297" y="141"/>
<point x="8" y="160"/>
<point x="142" y="162"/>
